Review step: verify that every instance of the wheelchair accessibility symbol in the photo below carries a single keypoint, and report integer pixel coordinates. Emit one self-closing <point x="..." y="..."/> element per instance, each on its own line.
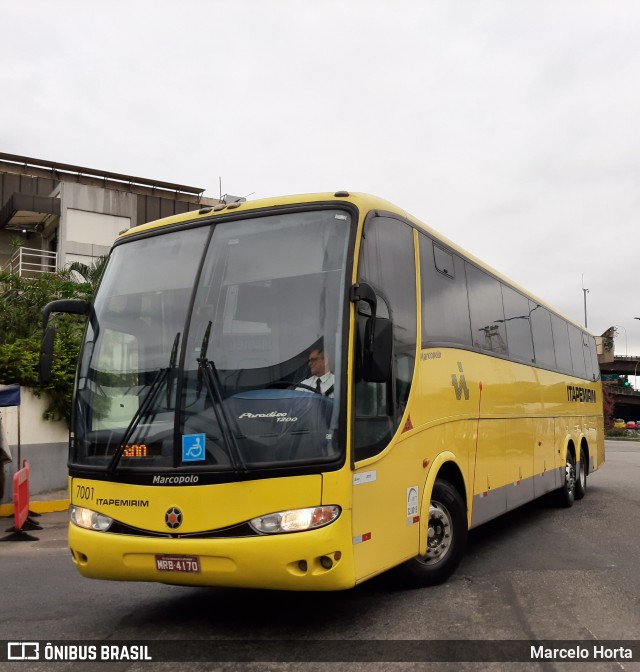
<point x="193" y="447"/>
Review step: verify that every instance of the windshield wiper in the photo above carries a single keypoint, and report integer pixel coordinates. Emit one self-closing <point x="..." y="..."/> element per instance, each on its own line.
<point x="149" y="400"/>
<point x="172" y="366"/>
<point x="207" y="370"/>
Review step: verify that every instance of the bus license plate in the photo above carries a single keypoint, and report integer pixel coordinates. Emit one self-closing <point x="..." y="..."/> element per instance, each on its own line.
<point x="178" y="563"/>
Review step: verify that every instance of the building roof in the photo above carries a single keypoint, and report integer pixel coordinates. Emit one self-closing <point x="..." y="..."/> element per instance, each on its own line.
<point x="60" y="170"/>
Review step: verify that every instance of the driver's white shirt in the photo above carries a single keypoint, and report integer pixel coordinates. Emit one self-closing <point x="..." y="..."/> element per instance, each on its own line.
<point x="326" y="382"/>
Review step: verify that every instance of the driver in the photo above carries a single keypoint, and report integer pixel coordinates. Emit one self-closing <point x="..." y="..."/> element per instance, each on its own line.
<point x="321" y="379"/>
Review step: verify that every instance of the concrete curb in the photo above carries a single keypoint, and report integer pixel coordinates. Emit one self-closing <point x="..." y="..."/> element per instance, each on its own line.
<point x="45" y="502"/>
<point x="50" y="506"/>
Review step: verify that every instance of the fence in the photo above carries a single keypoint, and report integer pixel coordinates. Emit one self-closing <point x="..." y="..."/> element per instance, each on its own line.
<point x="27" y="262"/>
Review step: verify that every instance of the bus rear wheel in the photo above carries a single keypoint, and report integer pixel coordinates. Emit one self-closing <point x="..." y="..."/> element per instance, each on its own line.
<point x="581" y="474"/>
<point x="567" y="493"/>
<point x="446" y="542"/>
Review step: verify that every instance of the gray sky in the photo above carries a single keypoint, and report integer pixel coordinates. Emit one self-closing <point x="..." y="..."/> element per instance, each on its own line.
<point x="510" y="127"/>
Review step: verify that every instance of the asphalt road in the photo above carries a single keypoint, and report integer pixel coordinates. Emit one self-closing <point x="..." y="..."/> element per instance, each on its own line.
<point x="538" y="573"/>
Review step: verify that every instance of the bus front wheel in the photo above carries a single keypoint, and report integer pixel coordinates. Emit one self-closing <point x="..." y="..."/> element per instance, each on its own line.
<point x="446" y="542"/>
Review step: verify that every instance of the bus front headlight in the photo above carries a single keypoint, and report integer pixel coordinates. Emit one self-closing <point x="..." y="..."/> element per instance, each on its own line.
<point x="90" y="520"/>
<point x="295" y="520"/>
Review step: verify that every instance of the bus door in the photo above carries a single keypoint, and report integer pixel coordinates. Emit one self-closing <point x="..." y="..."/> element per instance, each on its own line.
<point x="386" y="487"/>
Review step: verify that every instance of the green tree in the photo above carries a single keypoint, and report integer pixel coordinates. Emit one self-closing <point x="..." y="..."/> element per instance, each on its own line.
<point x="21" y="304"/>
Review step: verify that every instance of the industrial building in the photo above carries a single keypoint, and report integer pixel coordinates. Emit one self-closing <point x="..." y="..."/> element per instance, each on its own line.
<point x="52" y="214"/>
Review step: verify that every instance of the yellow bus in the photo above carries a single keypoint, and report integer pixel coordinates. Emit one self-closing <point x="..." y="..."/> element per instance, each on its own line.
<point x="303" y="392"/>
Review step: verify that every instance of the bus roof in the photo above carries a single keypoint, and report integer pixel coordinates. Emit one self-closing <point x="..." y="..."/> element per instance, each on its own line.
<point x="364" y="202"/>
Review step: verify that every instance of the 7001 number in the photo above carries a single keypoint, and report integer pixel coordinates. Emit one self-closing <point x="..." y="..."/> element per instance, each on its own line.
<point x="84" y="492"/>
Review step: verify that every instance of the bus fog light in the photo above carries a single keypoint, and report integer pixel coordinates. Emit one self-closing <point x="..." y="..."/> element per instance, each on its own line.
<point x="326" y="562"/>
<point x="295" y="520"/>
<point x="88" y="519"/>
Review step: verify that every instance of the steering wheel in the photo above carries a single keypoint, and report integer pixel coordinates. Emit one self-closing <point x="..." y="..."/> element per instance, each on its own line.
<point x="294" y="386"/>
<point x="306" y="387"/>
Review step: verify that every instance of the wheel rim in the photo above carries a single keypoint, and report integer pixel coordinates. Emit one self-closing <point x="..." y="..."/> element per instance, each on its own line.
<point x="439" y="534"/>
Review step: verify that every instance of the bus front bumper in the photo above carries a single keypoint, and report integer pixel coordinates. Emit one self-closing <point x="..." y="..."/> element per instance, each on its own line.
<point x="320" y="559"/>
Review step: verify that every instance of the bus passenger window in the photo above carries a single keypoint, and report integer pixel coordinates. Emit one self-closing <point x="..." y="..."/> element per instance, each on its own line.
<point x="587" y="356"/>
<point x="590" y="343"/>
<point x="542" y="336"/>
<point x="577" y="352"/>
<point x="487" y="314"/>
<point x="561" y="344"/>
<point x="518" y="321"/>
<point x="445" y="307"/>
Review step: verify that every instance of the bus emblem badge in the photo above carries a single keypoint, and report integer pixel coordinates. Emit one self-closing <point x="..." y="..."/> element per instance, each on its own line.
<point x="173" y="518"/>
<point x="460" y="387"/>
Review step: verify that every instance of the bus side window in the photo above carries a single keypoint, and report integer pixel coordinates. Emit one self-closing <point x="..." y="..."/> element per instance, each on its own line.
<point x="542" y="336"/>
<point x="577" y="352"/>
<point x="587" y="357"/>
<point x="517" y="319"/>
<point x="387" y="263"/>
<point x="487" y="313"/>
<point x="561" y="344"/>
<point x="593" y="355"/>
<point x="445" y="306"/>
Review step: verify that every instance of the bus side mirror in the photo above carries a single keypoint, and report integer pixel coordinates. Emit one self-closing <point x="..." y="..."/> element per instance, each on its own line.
<point x="73" y="306"/>
<point x="46" y="355"/>
<point x="378" y="350"/>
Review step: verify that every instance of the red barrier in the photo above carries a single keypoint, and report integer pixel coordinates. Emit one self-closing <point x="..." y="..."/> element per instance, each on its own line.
<point x="21" y="507"/>
<point x="21" y="496"/>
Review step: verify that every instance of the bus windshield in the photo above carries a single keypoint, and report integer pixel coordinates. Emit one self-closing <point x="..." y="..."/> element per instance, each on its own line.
<point x="217" y="348"/>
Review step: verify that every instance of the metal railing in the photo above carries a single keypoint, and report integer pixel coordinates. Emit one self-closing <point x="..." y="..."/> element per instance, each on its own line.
<point x="618" y="389"/>
<point x="28" y="262"/>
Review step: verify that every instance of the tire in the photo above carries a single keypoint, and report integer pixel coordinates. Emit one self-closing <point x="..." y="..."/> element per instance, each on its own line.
<point x="567" y="493"/>
<point x="446" y="543"/>
<point x="582" y="469"/>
